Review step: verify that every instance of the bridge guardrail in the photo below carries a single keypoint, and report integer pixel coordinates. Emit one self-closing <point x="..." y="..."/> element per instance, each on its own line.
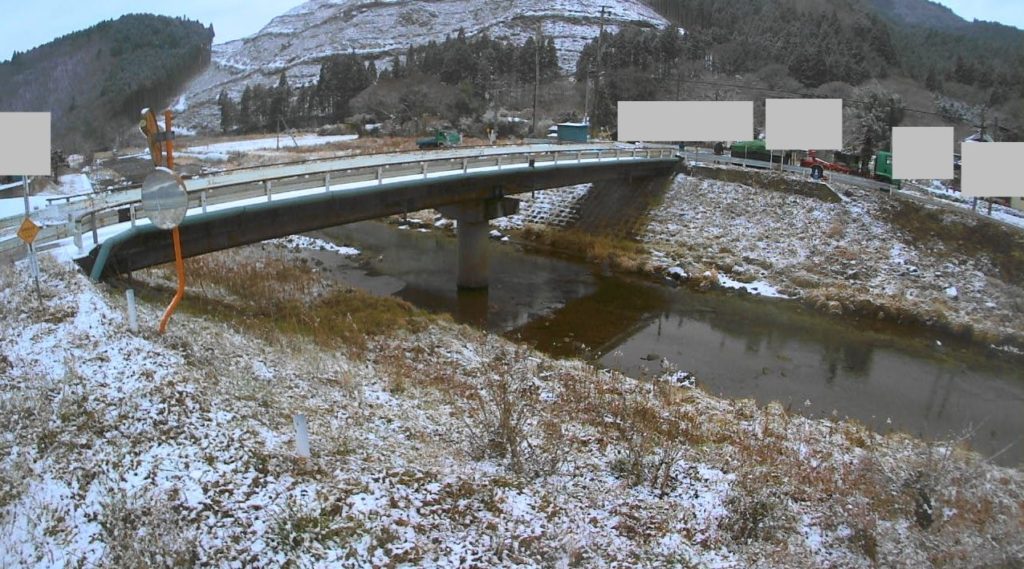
<point x="267" y="181"/>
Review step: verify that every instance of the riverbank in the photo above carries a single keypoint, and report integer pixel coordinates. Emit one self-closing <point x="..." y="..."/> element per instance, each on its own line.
<point x="870" y="256"/>
<point x="867" y="256"/>
<point x="432" y="443"/>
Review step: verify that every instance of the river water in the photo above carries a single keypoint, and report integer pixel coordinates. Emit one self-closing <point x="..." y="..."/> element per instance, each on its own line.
<point x="738" y="346"/>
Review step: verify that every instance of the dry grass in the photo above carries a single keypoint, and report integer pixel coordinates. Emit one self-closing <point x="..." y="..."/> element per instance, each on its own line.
<point x="836" y="230"/>
<point x="611" y="252"/>
<point x="507" y="418"/>
<point x="273" y="296"/>
<point x="955" y="231"/>
<point x="145" y="533"/>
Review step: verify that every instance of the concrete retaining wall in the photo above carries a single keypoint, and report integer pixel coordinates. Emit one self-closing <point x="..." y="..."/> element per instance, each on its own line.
<point x="619" y="208"/>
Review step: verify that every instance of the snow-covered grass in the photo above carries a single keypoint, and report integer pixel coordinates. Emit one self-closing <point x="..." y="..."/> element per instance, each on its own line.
<point x="759" y="288"/>
<point x="74" y="184"/>
<point x="436" y="445"/>
<point x="313" y="243"/>
<point x="220" y="150"/>
<point x="869" y="255"/>
<point x="942" y="191"/>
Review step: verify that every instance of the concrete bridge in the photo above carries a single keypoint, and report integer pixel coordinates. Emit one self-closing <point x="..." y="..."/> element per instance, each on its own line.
<point x="471" y="185"/>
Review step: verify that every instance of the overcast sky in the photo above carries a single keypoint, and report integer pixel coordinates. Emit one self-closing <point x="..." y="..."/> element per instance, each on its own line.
<point x="28" y="23"/>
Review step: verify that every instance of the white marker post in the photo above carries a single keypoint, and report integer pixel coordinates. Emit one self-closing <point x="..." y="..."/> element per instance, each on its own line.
<point x="133" y="318"/>
<point x="28" y="210"/>
<point x="301" y="435"/>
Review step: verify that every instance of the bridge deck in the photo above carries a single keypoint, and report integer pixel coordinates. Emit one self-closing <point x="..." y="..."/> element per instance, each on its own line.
<point x="254" y="204"/>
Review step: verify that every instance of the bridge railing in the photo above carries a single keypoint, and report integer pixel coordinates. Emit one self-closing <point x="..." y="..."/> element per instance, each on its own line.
<point x="267" y="182"/>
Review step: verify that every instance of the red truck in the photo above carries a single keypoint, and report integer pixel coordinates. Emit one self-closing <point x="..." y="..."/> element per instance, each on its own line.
<point x="812" y="160"/>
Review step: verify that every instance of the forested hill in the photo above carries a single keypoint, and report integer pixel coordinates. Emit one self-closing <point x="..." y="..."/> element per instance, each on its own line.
<point x="851" y="40"/>
<point x="95" y="81"/>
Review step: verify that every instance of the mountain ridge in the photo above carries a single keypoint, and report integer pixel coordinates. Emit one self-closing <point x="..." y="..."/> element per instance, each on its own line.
<point x="298" y="40"/>
<point x="924" y="13"/>
<point x="94" y="81"/>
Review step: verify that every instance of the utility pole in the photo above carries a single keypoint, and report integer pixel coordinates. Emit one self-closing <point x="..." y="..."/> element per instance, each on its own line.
<point x="600" y="40"/>
<point x="586" y="99"/>
<point x="597" y="78"/>
<point x="536" y="77"/>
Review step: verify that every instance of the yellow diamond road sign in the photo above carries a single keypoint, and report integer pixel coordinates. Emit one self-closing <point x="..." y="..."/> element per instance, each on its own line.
<point x="28" y="231"/>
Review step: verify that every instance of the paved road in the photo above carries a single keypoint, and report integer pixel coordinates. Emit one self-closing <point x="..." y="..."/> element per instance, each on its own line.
<point x="710" y="158"/>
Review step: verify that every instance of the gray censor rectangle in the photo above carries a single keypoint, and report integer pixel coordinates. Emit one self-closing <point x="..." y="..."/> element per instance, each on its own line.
<point x="922" y="153"/>
<point x="25" y="144"/>
<point x="991" y="169"/>
<point x="803" y="124"/>
<point x="685" y="121"/>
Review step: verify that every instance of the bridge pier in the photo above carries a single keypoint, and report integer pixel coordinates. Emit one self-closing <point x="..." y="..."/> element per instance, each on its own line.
<point x="473" y="233"/>
<point x="474" y="264"/>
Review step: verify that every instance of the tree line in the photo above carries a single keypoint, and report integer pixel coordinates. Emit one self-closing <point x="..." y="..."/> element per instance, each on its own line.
<point x="820" y="42"/>
<point x="94" y="81"/>
<point x="802" y="44"/>
<point x="478" y="66"/>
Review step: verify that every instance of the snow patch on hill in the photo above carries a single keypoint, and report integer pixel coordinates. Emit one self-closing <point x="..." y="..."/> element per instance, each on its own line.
<point x="299" y="39"/>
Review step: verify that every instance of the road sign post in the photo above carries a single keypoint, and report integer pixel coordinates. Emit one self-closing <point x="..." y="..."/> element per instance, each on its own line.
<point x="164" y="198"/>
<point x="27" y="233"/>
<point x="28" y="209"/>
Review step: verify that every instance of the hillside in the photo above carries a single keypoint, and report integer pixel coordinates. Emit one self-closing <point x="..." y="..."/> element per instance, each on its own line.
<point x="797" y="45"/>
<point x="922" y="13"/>
<point x="94" y="81"/>
<point x="301" y="39"/>
<point x="822" y="47"/>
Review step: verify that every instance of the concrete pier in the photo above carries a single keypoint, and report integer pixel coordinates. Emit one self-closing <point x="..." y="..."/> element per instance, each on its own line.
<point x="473" y="233"/>
<point x="474" y="271"/>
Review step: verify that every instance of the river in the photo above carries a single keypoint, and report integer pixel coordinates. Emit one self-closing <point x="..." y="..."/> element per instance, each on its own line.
<point x="738" y="346"/>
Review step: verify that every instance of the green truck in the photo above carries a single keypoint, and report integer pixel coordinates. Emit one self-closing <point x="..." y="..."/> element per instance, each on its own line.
<point x="441" y="139"/>
<point x="883" y="166"/>
<point x="756" y="150"/>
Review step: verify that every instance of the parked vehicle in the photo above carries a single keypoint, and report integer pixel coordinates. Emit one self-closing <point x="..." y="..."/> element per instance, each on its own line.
<point x="883" y="166"/>
<point x="812" y="160"/>
<point x="442" y="138"/>
<point x="756" y="150"/>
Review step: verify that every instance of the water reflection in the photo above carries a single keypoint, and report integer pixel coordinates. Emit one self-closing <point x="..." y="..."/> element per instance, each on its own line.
<point x="827" y="369"/>
<point x="737" y="346"/>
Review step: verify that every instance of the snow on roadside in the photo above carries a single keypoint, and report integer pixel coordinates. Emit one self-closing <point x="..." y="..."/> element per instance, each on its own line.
<point x="15" y="207"/>
<point x="939" y="190"/>
<point x="283" y="141"/>
<point x="74" y="184"/>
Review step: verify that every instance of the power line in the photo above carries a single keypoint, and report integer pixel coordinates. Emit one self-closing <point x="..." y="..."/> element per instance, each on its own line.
<point x="805" y="95"/>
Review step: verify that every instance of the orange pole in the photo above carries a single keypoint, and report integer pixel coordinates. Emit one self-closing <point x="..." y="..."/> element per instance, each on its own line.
<point x="168" y="140"/>
<point x="152" y="132"/>
<point x="179" y="264"/>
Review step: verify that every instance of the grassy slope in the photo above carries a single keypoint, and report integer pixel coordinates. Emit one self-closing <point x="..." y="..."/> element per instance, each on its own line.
<point x="442" y="446"/>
